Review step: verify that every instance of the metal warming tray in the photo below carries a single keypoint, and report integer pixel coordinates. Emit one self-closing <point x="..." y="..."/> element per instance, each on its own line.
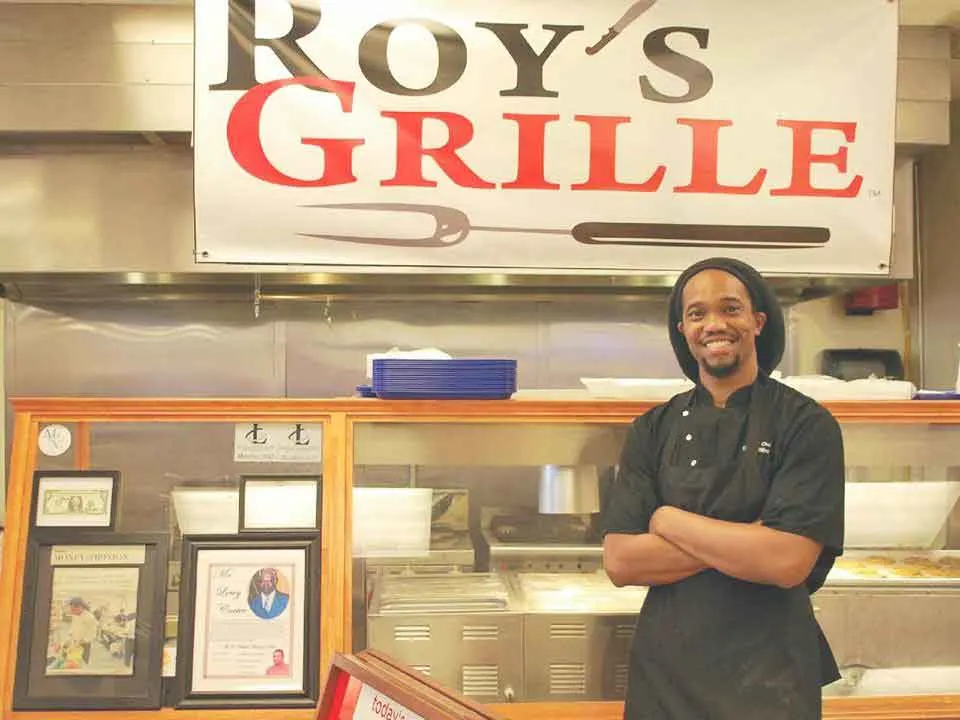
<point x="473" y="592"/>
<point x="577" y="633"/>
<point x="896" y="569"/>
<point x="581" y="593"/>
<point x="461" y="629"/>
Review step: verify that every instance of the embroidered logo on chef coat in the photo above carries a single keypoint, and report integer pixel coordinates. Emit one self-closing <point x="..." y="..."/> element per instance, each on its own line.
<point x="765" y="448"/>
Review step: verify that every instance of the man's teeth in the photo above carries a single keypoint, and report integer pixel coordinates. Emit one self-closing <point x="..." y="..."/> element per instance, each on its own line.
<point x="721" y="341"/>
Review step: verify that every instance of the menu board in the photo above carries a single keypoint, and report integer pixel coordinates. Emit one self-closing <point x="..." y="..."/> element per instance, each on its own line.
<point x="372" y="686"/>
<point x="363" y="702"/>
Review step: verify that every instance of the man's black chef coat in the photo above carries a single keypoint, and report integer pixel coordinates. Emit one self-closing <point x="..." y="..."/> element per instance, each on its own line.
<point x="798" y="453"/>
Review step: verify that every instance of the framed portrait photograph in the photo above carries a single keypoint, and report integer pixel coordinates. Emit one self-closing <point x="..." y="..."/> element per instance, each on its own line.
<point x="280" y="503"/>
<point x="91" y="624"/>
<point x="75" y="498"/>
<point x="249" y="621"/>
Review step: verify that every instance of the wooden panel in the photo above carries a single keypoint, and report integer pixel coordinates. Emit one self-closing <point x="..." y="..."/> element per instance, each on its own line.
<point x="20" y="487"/>
<point x="946" y="707"/>
<point x="928" y="43"/>
<point x="65" y="24"/>
<point x="168" y="714"/>
<point x="83" y="446"/>
<point x="54" y="64"/>
<point x="494" y="411"/>
<point x="924" y="80"/>
<point x="96" y="108"/>
<point x="923" y="122"/>
<point x="335" y="553"/>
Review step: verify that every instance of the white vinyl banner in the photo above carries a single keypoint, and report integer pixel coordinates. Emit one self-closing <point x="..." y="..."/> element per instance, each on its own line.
<point x="535" y="135"/>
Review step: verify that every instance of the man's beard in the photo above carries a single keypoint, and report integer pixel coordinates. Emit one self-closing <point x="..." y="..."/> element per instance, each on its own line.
<point x="722" y="371"/>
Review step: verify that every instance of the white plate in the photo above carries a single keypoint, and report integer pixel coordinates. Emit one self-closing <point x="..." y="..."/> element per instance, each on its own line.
<point x="658" y="389"/>
<point x="824" y="388"/>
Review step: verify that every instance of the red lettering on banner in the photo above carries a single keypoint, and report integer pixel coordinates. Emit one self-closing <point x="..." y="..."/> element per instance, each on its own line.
<point x="243" y="135"/>
<point x="603" y="157"/>
<point x="410" y="150"/>
<point x="246" y="146"/>
<point x="704" y="176"/>
<point x="531" y="144"/>
<point x="801" y="185"/>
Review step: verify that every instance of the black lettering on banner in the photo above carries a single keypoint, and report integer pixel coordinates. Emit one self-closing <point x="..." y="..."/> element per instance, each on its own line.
<point x="697" y="75"/>
<point x="375" y="66"/>
<point x="242" y="42"/>
<point x="529" y="63"/>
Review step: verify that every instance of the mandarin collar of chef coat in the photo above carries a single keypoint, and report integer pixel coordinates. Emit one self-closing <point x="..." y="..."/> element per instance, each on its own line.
<point x="740" y="398"/>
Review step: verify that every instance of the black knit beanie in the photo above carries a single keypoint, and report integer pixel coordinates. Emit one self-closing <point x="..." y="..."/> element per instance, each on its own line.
<point x="770" y="341"/>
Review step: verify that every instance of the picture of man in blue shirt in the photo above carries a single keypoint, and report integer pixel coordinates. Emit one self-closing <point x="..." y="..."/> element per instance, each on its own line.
<point x="265" y="600"/>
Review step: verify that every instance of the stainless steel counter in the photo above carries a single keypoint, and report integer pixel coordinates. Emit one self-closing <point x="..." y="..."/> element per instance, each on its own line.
<point x="566" y="635"/>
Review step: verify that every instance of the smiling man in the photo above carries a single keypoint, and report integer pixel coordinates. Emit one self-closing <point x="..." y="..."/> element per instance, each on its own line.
<point x="728" y="503"/>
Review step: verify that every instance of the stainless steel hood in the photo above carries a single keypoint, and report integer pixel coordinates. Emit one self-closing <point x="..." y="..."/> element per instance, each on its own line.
<point x="42" y="289"/>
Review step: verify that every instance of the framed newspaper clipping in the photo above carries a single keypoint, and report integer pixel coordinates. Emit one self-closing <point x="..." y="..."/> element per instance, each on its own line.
<point x="91" y="622"/>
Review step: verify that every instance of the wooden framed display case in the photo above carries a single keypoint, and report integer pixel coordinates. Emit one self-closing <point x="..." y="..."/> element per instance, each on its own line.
<point x="479" y="520"/>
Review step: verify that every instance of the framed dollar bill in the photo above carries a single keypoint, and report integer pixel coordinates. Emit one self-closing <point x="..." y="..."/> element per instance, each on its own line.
<point x="91" y="622"/>
<point x="75" y="498"/>
<point x="249" y="621"/>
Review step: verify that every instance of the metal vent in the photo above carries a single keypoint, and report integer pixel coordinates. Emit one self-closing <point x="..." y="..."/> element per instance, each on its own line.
<point x="623" y="632"/>
<point x="480" y="632"/>
<point x="480" y="680"/>
<point x="620" y="675"/>
<point x="568" y="679"/>
<point x="422" y="669"/>
<point x="407" y="633"/>
<point x="566" y="631"/>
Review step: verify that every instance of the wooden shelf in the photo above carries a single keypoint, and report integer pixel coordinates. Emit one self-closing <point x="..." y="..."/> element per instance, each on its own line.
<point x="371" y="410"/>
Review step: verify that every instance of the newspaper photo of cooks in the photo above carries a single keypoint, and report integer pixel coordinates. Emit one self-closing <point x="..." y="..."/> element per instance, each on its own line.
<point x="93" y="620"/>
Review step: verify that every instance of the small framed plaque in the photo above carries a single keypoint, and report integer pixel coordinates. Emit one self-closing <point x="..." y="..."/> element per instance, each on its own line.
<point x="279" y="503"/>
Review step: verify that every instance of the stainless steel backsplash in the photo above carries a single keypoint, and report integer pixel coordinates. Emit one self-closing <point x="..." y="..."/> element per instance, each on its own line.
<point x="172" y="349"/>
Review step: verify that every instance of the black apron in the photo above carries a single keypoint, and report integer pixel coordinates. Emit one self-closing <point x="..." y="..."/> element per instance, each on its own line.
<point x="712" y="647"/>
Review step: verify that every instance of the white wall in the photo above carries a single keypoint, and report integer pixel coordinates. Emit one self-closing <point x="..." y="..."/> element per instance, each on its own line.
<point x="129" y="68"/>
<point x="820" y="325"/>
<point x="939" y="188"/>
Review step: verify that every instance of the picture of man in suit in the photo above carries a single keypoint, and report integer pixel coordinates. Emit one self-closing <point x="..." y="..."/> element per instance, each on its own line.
<point x="265" y="600"/>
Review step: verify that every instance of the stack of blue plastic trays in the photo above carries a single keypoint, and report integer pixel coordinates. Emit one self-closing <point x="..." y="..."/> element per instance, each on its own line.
<point x="457" y="379"/>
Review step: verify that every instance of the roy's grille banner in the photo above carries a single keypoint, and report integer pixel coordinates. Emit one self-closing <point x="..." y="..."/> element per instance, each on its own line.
<point x="532" y="135"/>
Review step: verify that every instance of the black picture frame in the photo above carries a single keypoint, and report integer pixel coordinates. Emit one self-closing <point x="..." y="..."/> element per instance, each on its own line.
<point x="34" y="689"/>
<point x="187" y="695"/>
<point x="279" y="478"/>
<point x="40" y="475"/>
